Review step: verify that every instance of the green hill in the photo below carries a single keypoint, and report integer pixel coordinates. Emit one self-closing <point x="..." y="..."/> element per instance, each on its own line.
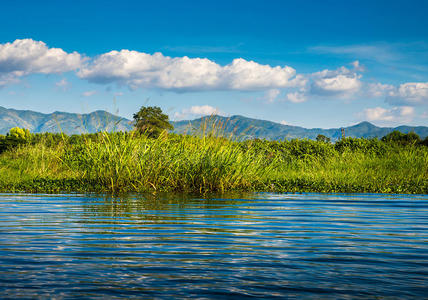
<point x="253" y="128"/>
<point x="69" y="123"/>
<point x="239" y="126"/>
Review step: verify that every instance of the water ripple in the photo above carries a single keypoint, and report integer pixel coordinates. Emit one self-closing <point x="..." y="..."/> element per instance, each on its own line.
<point x="256" y="245"/>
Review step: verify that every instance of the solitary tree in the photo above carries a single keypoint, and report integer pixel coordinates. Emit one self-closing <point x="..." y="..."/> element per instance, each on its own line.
<point x="151" y="121"/>
<point x="322" y="138"/>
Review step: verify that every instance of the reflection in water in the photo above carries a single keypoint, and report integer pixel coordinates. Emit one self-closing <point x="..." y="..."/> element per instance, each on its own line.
<point x="234" y="246"/>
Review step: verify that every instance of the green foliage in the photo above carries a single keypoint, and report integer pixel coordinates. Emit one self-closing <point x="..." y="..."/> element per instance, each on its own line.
<point x="123" y="162"/>
<point x="130" y="162"/>
<point x="289" y="150"/>
<point x="398" y="138"/>
<point x="15" y="137"/>
<point x="151" y="121"/>
<point x="366" y="146"/>
<point x="322" y="138"/>
<point x="20" y="134"/>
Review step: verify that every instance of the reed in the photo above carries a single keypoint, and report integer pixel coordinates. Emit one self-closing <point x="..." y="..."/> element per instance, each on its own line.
<point x="207" y="162"/>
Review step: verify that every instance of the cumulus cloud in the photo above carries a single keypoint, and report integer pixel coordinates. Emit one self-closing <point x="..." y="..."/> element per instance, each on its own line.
<point x="136" y="69"/>
<point x="340" y="82"/>
<point x="197" y="111"/>
<point x="26" y="56"/>
<point x="299" y="81"/>
<point x="181" y="74"/>
<point x="395" y="114"/>
<point x="410" y="93"/>
<point x="283" y="122"/>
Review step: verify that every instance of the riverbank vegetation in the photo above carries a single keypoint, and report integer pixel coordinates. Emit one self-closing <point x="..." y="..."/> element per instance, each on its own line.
<point x="206" y="161"/>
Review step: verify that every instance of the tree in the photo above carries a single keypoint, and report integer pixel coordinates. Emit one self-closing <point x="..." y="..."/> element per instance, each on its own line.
<point x="16" y="136"/>
<point x="400" y="138"/>
<point x="322" y="138"/>
<point x="151" y="121"/>
<point x="21" y="134"/>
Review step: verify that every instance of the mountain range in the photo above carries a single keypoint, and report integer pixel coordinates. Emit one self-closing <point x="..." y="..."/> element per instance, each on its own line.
<point x="69" y="123"/>
<point x="72" y="123"/>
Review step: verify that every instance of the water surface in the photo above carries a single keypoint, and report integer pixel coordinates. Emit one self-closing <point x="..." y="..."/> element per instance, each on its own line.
<point x="257" y="245"/>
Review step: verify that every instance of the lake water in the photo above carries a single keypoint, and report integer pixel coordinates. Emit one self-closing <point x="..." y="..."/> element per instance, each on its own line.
<point x="255" y="245"/>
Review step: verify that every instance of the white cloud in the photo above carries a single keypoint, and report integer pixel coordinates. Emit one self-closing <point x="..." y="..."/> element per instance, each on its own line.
<point x="378" y="89"/>
<point x="203" y="110"/>
<point x="340" y="82"/>
<point x="410" y="93"/>
<point x="89" y="93"/>
<point x="296" y="97"/>
<point x="249" y="75"/>
<point x="283" y="122"/>
<point x="141" y="70"/>
<point x="406" y="94"/>
<point x="395" y="114"/>
<point x="62" y="84"/>
<point x="9" y="78"/>
<point x="406" y="111"/>
<point x="23" y="57"/>
<point x="298" y="81"/>
<point x="378" y="52"/>
<point x="137" y="69"/>
<point x="197" y="111"/>
<point x="271" y="95"/>
<point x="357" y="66"/>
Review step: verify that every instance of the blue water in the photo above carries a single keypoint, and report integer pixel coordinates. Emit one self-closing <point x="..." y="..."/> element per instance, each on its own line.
<point x="255" y="245"/>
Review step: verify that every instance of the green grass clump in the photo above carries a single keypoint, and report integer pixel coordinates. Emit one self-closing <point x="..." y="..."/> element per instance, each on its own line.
<point x="205" y="163"/>
<point x="123" y="162"/>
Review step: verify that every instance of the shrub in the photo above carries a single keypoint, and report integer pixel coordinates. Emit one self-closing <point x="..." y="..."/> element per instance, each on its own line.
<point x="16" y="136"/>
<point x="403" y="139"/>
<point x="366" y="146"/>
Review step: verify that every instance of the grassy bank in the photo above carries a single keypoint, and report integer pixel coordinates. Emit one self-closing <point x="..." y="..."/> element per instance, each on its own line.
<point x="122" y="162"/>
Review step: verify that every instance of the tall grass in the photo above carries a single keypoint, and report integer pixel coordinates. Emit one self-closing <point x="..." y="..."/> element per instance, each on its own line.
<point x="207" y="162"/>
<point x="123" y="162"/>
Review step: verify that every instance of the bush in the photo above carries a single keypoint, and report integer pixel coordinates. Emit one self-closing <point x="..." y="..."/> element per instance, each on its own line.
<point x="16" y="136"/>
<point x="403" y="139"/>
<point x="287" y="150"/>
<point x="366" y="146"/>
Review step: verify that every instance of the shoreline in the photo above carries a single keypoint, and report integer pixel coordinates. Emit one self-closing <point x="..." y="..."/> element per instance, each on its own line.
<point x="119" y="163"/>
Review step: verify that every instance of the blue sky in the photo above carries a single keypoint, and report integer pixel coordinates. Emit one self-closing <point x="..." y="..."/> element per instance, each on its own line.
<point x="306" y="63"/>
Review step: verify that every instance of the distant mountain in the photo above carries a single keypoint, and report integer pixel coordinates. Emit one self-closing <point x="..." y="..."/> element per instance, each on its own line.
<point x="239" y="126"/>
<point x="69" y="123"/>
<point x="253" y="128"/>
